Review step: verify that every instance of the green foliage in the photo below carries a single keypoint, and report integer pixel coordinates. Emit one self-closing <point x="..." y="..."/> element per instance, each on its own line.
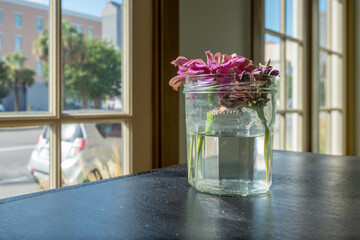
<point x="92" y="68"/>
<point x="4" y="84"/>
<point x="17" y="74"/>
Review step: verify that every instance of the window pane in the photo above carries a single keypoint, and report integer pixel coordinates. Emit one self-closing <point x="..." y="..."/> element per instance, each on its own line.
<point x="273" y="51"/>
<point x="324" y="125"/>
<point x="323" y="28"/>
<point x="22" y="151"/>
<point x="293" y="18"/>
<point x="91" y="151"/>
<point x="272" y="15"/>
<point x="277" y="135"/>
<point x="92" y="70"/>
<point x="323" y="78"/>
<point x="293" y="130"/>
<point x="336" y="133"/>
<point x="293" y="74"/>
<point x="21" y="51"/>
<point x="336" y="81"/>
<point x="336" y="25"/>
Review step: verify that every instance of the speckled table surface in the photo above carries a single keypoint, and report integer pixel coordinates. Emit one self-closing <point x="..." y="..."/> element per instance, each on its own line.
<point x="312" y="197"/>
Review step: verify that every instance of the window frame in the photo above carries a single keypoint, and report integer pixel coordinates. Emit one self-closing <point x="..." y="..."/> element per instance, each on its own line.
<point x="18" y="36"/>
<point x="311" y="100"/>
<point x="137" y="113"/>
<point x="42" y="23"/>
<point x="21" y="20"/>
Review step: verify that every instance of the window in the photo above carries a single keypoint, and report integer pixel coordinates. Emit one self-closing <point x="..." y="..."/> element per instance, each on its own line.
<point x="39" y="23"/>
<point x="286" y="29"/>
<point x="284" y="44"/>
<point x="65" y="126"/>
<point x="39" y="69"/>
<point x="1" y="40"/>
<point x="1" y="17"/>
<point x="91" y="32"/>
<point x="78" y="27"/>
<point x="18" y="20"/>
<point x="18" y="43"/>
<point x="331" y="77"/>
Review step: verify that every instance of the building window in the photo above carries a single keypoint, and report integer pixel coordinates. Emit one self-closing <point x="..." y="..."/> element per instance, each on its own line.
<point x="18" y="43"/>
<point x="91" y="32"/>
<point x="18" y="20"/>
<point x="39" y="68"/>
<point x="78" y="27"/>
<point x="39" y="24"/>
<point x="1" y="17"/>
<point x="1" y="40"/>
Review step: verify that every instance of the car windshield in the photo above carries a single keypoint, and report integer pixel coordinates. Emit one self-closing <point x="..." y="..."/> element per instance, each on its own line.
<point x="69" y="132"/>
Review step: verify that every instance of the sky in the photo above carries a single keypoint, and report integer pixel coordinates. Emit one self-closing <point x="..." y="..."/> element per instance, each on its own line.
<point x="91" y="7"/>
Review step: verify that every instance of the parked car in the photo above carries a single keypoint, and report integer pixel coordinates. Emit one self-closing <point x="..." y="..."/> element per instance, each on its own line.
<point x="88" y="152"/>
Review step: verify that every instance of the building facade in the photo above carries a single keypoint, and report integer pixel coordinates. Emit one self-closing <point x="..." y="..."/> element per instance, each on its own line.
<point x="20" y="23"/>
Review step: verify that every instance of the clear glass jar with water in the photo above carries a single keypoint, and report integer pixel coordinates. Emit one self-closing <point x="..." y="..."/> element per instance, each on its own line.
<point x="229" y="125"/>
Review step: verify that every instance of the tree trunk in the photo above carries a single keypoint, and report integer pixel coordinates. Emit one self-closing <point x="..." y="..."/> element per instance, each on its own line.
<point x="85" y="99"/>
<point x="16" y="97"/>
<point x="98" y="103"/>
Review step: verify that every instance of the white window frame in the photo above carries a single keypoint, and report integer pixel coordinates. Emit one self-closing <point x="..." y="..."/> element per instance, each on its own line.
<point x="283" y="111"/>
<point x="330" y="147"/>
<point x="92" y="29"/>
<point x="310" y="98"/>
<point x="137" y="113"/>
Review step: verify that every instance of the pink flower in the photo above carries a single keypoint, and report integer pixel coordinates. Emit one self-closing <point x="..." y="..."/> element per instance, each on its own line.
<point x="218" y="64"/>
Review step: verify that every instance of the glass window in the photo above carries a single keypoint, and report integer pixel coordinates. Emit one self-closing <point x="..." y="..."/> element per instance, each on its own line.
<point x="18" y="20"/>
<point x="91" y="32"/>
<point x="18" y="43"/>
<point x="1" y="17"/>
<point x="1" y="40"/>
<point x="39" y="24"/>
<point x="96" y="121"/>
<point x="331" y="117"/>
<point x="284" y="45"/>
<point x="39" y="69"/>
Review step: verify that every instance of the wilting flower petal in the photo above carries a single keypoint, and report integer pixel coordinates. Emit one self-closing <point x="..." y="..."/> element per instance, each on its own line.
<point x="179" y="61"/>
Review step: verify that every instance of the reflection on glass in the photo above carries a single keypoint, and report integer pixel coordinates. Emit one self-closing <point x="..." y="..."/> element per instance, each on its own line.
<point x="336" y="133"/>
<point x="336" y="80"/>
<point x="323" y="28"/>
<point x="20" y="54"/>
<point x="18" y="149"/>
<point x="277" y="133"/>
<point x="92" y="47"/>
<point x="91" y="151"/>
<point x="273" y="51"/>
<point x="293" y="18"/>
<point x="293" y="74"/>
<point x="323" y="137"/>
<point x="323" y="78"/>
<point x="293" y="128"/>
<point x="272" y="15"/>
<point x="336" y="23"/>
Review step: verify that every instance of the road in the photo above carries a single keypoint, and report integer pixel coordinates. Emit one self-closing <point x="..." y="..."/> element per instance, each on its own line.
<point x="15" y="149"/>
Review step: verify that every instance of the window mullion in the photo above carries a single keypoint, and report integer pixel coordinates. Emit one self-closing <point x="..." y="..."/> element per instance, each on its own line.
<point x="55" y="90"/>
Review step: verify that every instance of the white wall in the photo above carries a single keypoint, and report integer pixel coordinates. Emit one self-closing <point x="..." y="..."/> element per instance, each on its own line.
<point x="219" y="26"/>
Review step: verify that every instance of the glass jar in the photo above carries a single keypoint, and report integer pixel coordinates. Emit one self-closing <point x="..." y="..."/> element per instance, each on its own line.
<point x="229" y="126"/>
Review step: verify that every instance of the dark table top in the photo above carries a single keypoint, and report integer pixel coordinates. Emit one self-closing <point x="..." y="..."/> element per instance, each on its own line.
<point x="312" y="197"/>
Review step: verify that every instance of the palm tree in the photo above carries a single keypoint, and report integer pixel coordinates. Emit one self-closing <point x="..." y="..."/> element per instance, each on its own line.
<point x="4" y="84"/>
<point x="18" y="75"/>
<point x="73" y="49"/>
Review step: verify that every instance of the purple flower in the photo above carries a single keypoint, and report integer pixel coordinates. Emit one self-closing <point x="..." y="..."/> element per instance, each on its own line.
<point x="218" y="64"/>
